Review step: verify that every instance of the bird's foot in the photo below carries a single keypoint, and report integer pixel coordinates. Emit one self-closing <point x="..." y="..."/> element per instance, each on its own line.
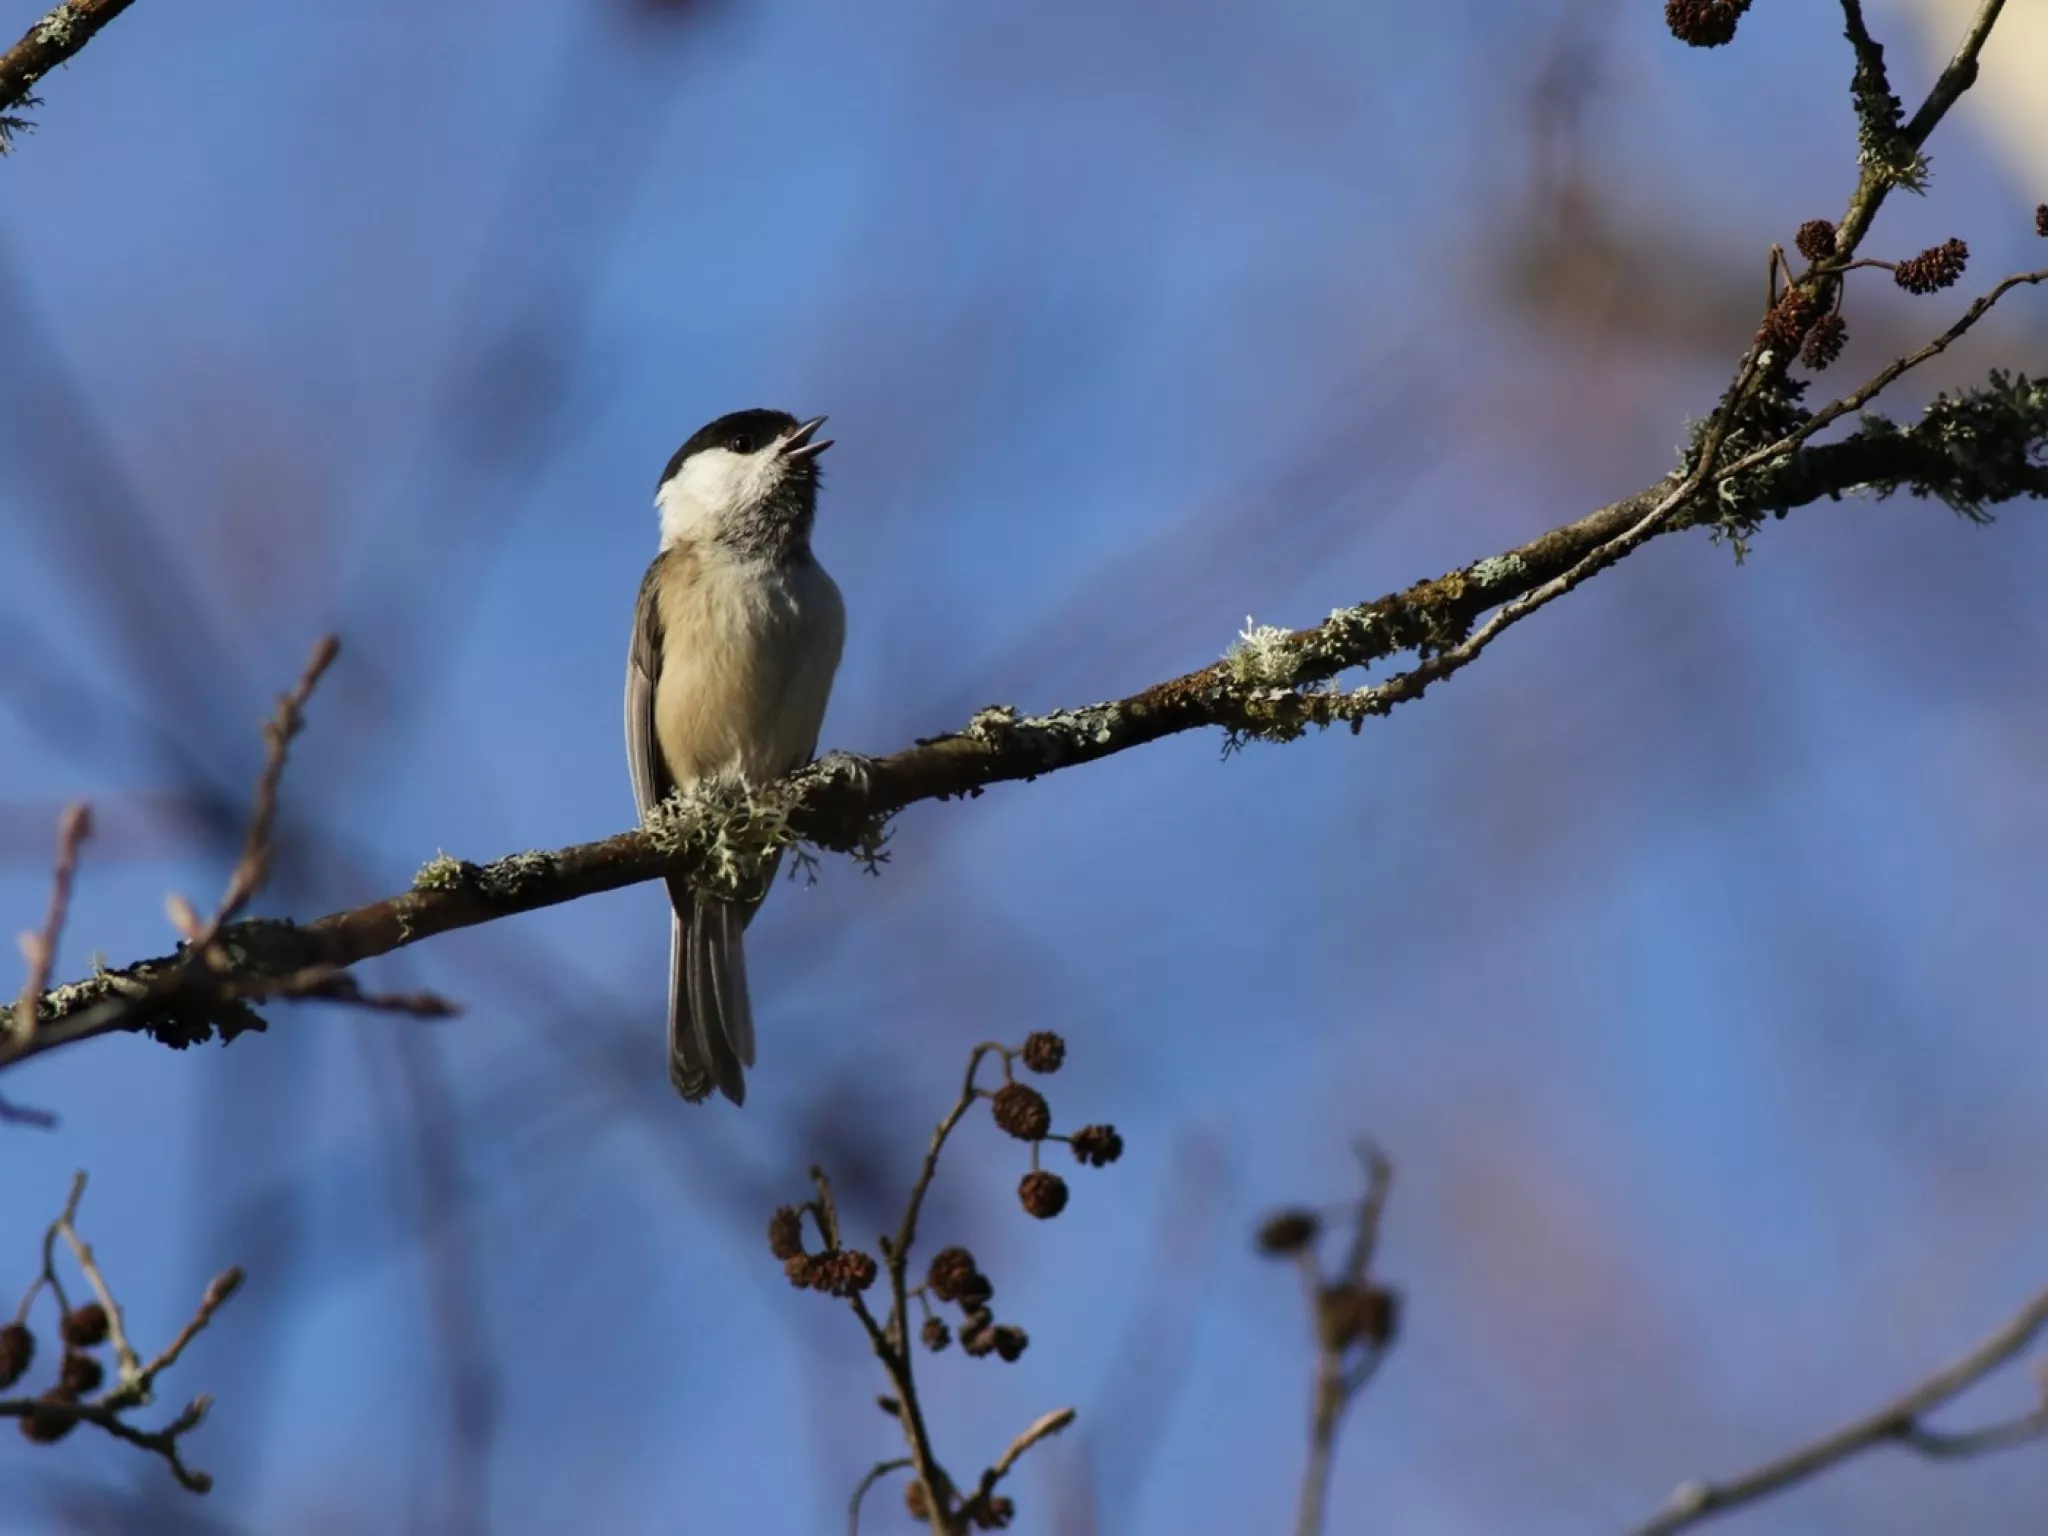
<point x="850" y="766"/>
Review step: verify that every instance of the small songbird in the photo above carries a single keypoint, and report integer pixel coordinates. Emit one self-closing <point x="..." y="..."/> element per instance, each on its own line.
<point x="736" y="638"/>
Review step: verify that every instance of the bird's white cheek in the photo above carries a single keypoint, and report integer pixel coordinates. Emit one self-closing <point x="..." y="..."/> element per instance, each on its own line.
<point x="713" y="487"/>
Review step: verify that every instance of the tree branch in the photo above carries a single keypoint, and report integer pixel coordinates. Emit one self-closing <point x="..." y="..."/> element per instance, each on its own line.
<point x="1897" y="1423"/>
<point x="1355" y="1319"/>
<point x="39" y="949"/>
<point x="52" y="41"/>
<point x="52" y="1415"/>
<point x="1973" y="451"/>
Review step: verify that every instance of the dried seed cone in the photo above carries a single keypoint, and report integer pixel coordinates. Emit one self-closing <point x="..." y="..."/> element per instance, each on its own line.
<point x="1287" y="1232"/>
<point x="1043" y="1051"/>
<point x="17" y="1352"/>
<point x="1043" y="1194"/>
<point x="1022" y="1111"/>
<point x="786" y="1233"/>
<point x="85" y="1326"/>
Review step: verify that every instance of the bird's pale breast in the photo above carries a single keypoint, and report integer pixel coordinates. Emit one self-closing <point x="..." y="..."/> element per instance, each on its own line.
<point x="748" y="655"/>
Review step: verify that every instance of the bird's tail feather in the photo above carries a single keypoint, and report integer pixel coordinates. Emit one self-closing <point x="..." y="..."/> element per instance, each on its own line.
<point x="710" y="1020"/>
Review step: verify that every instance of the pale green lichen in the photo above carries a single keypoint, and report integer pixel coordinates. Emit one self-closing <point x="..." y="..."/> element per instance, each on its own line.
<point x="1996" y="438"/>
<point x="1262" y="657"/>
<point x="55" y="28"/>
<point x="443" y="873"/>
<point x="1498" y="568"/>
<point x="509" y="877"/>
<point x="1882" y="147"/>
<point x="732" y="831"/>
<point x="992" y="723"/>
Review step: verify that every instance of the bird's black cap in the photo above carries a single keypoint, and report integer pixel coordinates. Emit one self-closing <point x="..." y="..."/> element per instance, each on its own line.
<point x="739" y="431"/>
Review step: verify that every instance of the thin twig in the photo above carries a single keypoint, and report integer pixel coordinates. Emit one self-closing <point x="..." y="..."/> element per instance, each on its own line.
<point x="876" y="1473"/>
<point x="1347" y="1354"/>
<point x="162" y="1442"/>
<point x="323" y="983"/>
<point x="30" y="1115"/>
<point x="81" y="1252"/>
<point x="891" y="1346"/>
<point x="906" y="1233"/>
<point x="40" y="949"/>
<point x="1959" y="1445"/>
<point x="252" y="869"/>
<point x="49" y="1277"/>
<point x="1409" y="685"/>
<point x="218" y="1290"/>
<point x="136" y="1380"/>
<point x="1044" y="1427"/>
<point x="1959" y="75"/>
<point x="896" y="1256"/>
<point x="1897" y="1422"/>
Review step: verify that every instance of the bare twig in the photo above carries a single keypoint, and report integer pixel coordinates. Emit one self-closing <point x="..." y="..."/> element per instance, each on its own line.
<point x="876" y="1473"/>
<point x="81" y="1252"/>
<point x="55" y="1411"/>
<point x="323" y="983"/>
<point x="31" y="1115"/>
<point x="1959" y="75"/>
<point x="218" y="1290"/>
<point x="906" y="1232"/>
<point x="40" y="949"/>
<point x="1898" y="1422"/>
<point x="890" y="1342"/>
<point x="1044" y="1427"/>
<point x="58" y="37"/>
<point x="1408" y="685"/>
<point x="252" y="869"/>
<point x="1356" y="1320"/>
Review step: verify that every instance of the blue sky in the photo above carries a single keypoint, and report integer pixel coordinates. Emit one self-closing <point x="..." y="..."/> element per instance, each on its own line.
<point x="1681" y="953"/>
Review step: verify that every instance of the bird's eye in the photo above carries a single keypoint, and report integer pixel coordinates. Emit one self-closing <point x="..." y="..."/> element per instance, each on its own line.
<point x="739" y="442"/>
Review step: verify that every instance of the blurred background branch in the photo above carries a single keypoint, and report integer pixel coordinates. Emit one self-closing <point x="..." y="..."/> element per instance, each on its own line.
<point x="1900" y="1422"/>
<point x="52" y="1414"/>
<point x="1697" y="991"/>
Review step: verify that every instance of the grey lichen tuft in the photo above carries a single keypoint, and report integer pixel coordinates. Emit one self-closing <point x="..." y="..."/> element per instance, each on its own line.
<point x="1996" y="438"/>
<point x="1882" y="148"/>
<point x="55" y="28"/>
<point x="1264" y="657"/>
<point x="444" y="873"/>
<point x="991" y="724"/>
<point x="732" y="831"/>
<point x="508" y="878"/>
<point x="1495" y="569"/>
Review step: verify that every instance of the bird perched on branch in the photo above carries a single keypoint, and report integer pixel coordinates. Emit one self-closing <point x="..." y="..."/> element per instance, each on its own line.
<point x="736" y="638"/>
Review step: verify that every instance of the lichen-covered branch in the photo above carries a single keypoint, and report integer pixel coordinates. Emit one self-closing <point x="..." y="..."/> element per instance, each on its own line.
<point x="68" y="27"/>
<point x="1973" y="451"/>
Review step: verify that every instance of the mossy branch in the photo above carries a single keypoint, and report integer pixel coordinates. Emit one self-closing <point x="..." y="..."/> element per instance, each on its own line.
<point x="1974" y="450"/>
<point x="52" y="41"/>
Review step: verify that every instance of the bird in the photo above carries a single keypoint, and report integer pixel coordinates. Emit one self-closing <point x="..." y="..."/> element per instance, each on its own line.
<point x="737" y="634"/>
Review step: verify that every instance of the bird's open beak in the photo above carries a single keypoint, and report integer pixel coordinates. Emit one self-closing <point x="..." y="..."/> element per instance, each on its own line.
<point x="798" y="444"/>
